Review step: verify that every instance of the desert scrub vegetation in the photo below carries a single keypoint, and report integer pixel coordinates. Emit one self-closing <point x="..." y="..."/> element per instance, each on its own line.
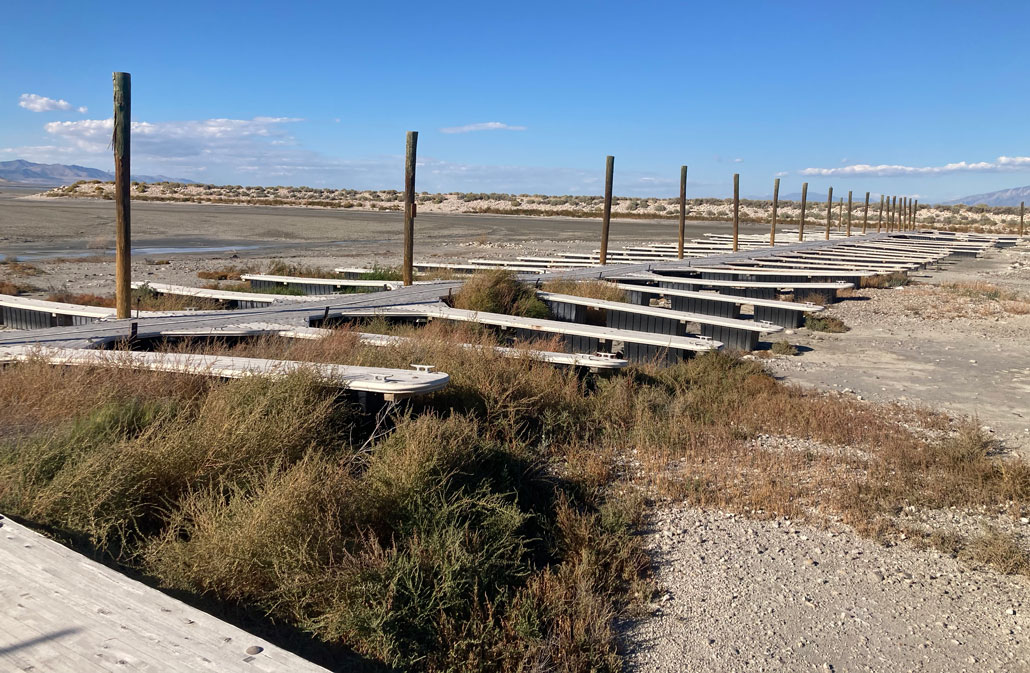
<point x="595" y="289"/>
<point x="499" y="291"/>
<point x="886" y="280"/>
<point x="784" y="348"/>
<point x="825" y="323"/>
<point x="464" y="539"/>
<point x="487" y="527"/>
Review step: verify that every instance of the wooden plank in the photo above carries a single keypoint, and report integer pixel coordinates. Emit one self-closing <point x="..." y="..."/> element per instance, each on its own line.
<point x="654" y="311"/>
<point x="603" y="334"/>
<point x="64" y="613"/>
<point x="727" y="298"/>
<point x="392" y="383"/>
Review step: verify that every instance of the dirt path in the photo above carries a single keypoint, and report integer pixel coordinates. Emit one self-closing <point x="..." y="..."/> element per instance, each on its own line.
<point x="742" y="595"/>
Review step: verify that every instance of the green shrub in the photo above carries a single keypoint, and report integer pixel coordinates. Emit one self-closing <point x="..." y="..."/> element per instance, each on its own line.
<point x="825" y="323"/>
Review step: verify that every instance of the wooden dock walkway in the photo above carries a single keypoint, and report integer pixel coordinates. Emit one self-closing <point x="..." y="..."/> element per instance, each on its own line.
<point x="63" y="613"/>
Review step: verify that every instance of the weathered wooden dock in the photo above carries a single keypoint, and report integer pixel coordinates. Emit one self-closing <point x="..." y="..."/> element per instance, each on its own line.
<point x="60" y="612"/>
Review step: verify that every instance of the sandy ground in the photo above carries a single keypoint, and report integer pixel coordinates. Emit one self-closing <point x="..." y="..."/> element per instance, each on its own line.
<point x="748" y="596"/>
<point x="932" y="348"/>
<point x="42" y="229"/>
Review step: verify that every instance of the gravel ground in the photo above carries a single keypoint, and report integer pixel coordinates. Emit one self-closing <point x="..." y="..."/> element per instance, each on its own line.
<point x="743" y="595"/>
<point x="925" y="346"/>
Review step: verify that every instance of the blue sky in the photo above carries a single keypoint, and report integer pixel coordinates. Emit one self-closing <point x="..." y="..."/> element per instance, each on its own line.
<point x="928" y="99"/>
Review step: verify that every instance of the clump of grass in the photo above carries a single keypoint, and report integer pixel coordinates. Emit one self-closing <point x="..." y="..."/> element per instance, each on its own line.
<point x="14" y="288"/>
<point x="16" y="268"/>
<point x="378" y="272"/>
<point x="979" y="290"/>
<point x="784" y="348"/>
<point x="886" y="280"/>
<point x="499" y="291"/>
<point x="1002" y="551"/>
<point x="246" y="287"/>
<point x="231" y="272"/>
<point x="595" y="289"/>
<point x="825" y="323"/>
<point x="278" y="267"/>
<point x="82" y="298"/>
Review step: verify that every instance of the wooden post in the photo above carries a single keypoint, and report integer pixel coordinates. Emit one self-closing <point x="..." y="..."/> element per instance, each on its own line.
<point x="892" y="214"/>
<point x="879" y="218"/>
<point x="829" y="212"/>
<point x="123" y="236"/>
<point x="849" y="212"/>
<point x="736" y="209"/>
<point x="1022" y="208"/>
<point x="776" y="203"/>
<point x="903" y="219"/>
<point x="804" y="201"/>
<point x="409" y="207"/>
<point x="683" y="210"/>
<point x="609" y="172"/>
<point x="865" y="215"/>
<point x="840" y="214"/>
<point x="915" y="211"/>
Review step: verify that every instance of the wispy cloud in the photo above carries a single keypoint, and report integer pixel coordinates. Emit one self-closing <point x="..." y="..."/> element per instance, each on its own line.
<point x="37" y="103"/>
<point x="482" y="126"/>
<point x="262" y="150"/>
<point x="893" y="170"/>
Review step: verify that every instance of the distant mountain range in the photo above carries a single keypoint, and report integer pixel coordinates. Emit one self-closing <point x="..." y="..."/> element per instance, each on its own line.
<point x="1002" y="197"/>
<point x="21" y="172"/>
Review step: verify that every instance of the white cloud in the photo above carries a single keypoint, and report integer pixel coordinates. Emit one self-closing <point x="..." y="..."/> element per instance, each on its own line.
<point x="482" y="126"/>
<point x="37" y="103"/>
<point x="263" y="151"/>
<point x="894" y="170"/>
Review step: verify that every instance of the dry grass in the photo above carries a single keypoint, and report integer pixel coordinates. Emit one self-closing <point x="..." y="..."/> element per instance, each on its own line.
<point x="594" y="289"/>
<point x="784" y="348"/>
<point x="825" y="323"/>
<point x="491" y="527"/>
<point x="499" y="291"/>
<point x="16" y="268"/>
<point x="886" y="280"/>
<point x="14" y="288"/>
<point x="231" y="272"/>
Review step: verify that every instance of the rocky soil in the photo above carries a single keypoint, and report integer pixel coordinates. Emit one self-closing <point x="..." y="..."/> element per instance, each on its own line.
<point x="743" y="595"/>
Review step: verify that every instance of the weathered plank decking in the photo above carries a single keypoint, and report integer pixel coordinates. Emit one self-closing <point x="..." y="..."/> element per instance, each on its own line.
<point x="63" y="613"/>
<point x="390" y="383"/>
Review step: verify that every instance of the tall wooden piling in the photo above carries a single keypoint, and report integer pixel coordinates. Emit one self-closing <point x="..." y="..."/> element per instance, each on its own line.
<point x="840" y="215"/>
<point x="410" y="151"/>
<point x="915" y="211"/>
<point x="609" y="172"/>
<point x="865" y="214"/>
<point x="804" y="201"/>
<point x="829" y="212"/>
<point x="776" y="203"/>
<point x="1022" y="208"/>
<point x="123" y="235"/>
<point x="892" y="213"/>
<point x="736" y="209"/>
<point x="849" y="213"/>
<point x="683" y="211"/>
<point x="879" y="217"/>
